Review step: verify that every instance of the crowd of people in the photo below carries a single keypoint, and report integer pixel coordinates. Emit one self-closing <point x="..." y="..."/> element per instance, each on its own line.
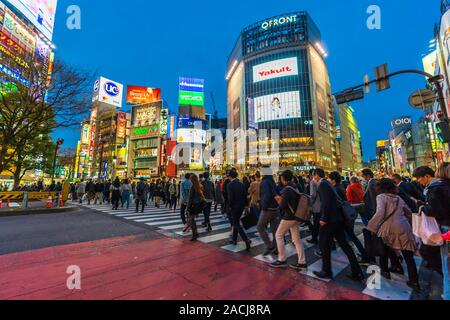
<point x="385" y="207"/>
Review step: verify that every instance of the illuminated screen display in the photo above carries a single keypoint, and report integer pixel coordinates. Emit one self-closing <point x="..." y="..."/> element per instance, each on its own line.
<point x="278" y="106"/>
<point x="191" y="136"/>
<point x="275" y="69"/>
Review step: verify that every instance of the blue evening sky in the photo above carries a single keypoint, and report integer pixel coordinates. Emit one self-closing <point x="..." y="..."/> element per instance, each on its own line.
<point x="152" y="43"/>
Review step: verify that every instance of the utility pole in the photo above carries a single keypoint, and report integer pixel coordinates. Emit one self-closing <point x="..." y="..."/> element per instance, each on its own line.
<point x="58" y="144"/>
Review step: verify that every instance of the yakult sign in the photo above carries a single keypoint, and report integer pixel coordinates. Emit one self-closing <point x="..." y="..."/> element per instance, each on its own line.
<point x="275" y="69"/>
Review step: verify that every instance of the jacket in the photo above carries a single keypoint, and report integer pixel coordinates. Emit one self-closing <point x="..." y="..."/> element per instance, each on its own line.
<point x="81" y="188"/>
<point x="236" y="196"/>
<point x="438" y="201"/>
<point x="209" y="191"/>
<point x="289" y="202"/>
<point x="99" y="187"/>
<point x="184" y="192"/>
<point x="410" y="190"/>
<point x="329" y="211"/>
<point x="90" y="187"/>
<point x="194" y="202"/>
<point x="254" y="192"/>
<point x="355" y="193"/>
<point x="141" y="190"/>
<point x="267" y="193"/>
<point x="314" y="193"/>
<point x="370" y="198"/>
<point x="396" y="232"/>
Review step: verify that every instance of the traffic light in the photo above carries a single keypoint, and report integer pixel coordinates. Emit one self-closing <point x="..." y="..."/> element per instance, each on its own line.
<point x="60" y="142"/>
<point x="443" y="131"/>
<point x="348" y="96"/>
<point x="381" y="73"/>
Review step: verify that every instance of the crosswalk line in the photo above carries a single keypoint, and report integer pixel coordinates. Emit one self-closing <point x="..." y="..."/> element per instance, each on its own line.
<point x="214" y="228"/>
<point x="215" y="237"/>
<point x="160" y="218"/>
<point x="290" y="251"/>
<point x="179" y="226"/>
<point x="241" y="246"/>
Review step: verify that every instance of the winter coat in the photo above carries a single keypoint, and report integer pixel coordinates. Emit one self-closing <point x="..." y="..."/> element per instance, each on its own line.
<point x="396" y="232"/>
<point x="314" y="193"/>
<point x="355" y="193"/>
<point x="438" y="201"/>
<point x="267" y="193"/>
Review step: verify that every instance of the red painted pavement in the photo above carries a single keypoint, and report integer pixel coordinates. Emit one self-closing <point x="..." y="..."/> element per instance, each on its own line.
<point x="136" y="268"/>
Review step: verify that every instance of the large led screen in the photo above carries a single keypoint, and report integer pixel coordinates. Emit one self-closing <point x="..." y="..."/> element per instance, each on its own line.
<point x="191" y="136"/>
<point x="275" y="69"/>
<point x="277" y="106"/>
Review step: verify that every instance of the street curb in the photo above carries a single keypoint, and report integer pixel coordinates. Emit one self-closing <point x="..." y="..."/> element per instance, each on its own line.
<point x="21" y="212"/>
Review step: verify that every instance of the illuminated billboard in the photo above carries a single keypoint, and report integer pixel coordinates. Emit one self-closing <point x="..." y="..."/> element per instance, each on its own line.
<point x="85" y="133"/>
<point x="141" y="95"/>
<point x="321" y="108"/>
<point x="147" y="115"/>
<point x="275" y="69"/>
<point x="108" y="92"/>
<point x="189" y="122"/>
<point x="278" y="106"/>
<point x="196" y="158"/>
<point x="164" y="122"/>
<point x="191" y="92"/>
<point x="191" y="136"/>
<point x="41" y="13"/>
<point x="429" y="62"/>
<point x="20" y="31"/>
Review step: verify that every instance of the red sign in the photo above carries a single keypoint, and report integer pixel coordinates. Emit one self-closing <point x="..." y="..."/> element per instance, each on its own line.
<point x="440" y="156"/>
<point x="141" y="95"/>
<point x="13" y="46"/>
<point x="121" y="124"/>
<point x="171" y="170"/>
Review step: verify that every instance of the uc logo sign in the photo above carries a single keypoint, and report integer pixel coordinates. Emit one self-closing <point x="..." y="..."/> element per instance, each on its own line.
<point x="112" y="89"/>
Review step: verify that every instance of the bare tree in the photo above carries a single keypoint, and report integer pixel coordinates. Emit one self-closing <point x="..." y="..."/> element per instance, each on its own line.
<point x="51" y="100"/>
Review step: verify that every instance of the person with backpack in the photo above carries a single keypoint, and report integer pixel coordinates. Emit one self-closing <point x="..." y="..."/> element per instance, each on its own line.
<point x="141" y="194"/>
<point x="115" y="193"/>
<point x="289" y="201"/>
<point x="210" y="194"/>
<point x="270" y="212"/>
<point x="195" y="204"/>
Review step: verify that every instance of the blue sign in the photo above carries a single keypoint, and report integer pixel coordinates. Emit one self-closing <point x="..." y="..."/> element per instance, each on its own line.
<point x="112" y="89"/>
<point x="14" y="75"/>
<point x="189" y="123"/>
<point x="192" y="85"/>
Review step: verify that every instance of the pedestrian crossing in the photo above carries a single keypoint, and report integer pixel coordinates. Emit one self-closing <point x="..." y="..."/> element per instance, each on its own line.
<point x="168" y="221"/>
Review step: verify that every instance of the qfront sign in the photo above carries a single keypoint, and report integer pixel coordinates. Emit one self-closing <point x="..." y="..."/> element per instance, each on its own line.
<point x="278" y="22"/>
<point x="275" y="69"/>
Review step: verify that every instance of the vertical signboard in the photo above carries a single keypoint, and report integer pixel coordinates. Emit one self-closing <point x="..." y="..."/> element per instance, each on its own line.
<point x="192" y="92"/>
<point x="164" y="121"/>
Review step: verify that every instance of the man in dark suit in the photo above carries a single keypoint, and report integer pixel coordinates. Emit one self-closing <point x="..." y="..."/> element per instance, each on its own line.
<point x="332" y="227"/>
<point x="370" y="197"/>
<point x="237" y="199"/>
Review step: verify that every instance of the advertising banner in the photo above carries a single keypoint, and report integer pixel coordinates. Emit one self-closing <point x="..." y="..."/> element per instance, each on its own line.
<point x="121" y="125"/>
<point x="164" y="122"/>
<point x="275" y="69"/>
<point x="141" y="95"/>
<point x="192" y="84"/>
<point x="41" y="13"/>
<point x="191" y="136"/>
<point x="237" y="114"/>
<point x="191" y="98"/>
<point x="188" y="111"/>
<point x="146" y="116"/>
<point x="144" y="132"/>
<point x="108" y="92"/>
<point x="429" y="62"/>
<point x="196" y="158"/>
<point x="321" y="108"/>
<point x="85" y="133"/>
<point x="9" y="43"/>
<point x="17" y="29"/>
<point x="445" y="40"/>
<point x="171" y="170"/>
<point x="277" y="106"/>
<point x="172" y="126"/>
<point x="189" y="123"/>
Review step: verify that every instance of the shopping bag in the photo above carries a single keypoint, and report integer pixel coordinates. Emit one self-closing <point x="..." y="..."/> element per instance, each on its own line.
<point x="249" y="220"/>
<point x="373" y="244"/>
<point x="427" y="229"/>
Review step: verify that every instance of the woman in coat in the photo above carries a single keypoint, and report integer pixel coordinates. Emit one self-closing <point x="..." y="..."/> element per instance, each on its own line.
<point x="195" y="204"/>
<point x="392" y="223"/>
<point x="115" y="193"/>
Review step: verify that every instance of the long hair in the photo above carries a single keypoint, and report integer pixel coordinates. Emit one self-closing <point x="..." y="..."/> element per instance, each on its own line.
<point x="196" y="185"/>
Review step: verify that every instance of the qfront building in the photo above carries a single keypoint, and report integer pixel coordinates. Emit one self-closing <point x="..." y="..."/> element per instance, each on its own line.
<point x="277" y="79"/>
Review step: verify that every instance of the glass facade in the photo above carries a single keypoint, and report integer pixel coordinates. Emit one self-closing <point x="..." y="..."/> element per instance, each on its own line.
<point x="277" y="79"/>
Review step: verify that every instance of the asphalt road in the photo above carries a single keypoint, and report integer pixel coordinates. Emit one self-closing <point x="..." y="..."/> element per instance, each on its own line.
<point x="22" y="233"/>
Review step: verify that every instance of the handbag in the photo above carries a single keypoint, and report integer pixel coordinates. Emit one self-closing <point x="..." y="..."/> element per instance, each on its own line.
<point x="349" y="212"/>
<point x="374" y="244"/>
<point x="303" y="212"/>
<point x="426" y="228"/>
<point x="249" y="220"/>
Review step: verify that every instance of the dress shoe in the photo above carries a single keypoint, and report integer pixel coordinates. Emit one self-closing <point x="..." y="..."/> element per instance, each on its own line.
<point x="194" y="237"/>
<point x="209" y="228"/>
<point x="248" y="245"/>
<point x="323" y="275"/>
<point x="278" y="264"/>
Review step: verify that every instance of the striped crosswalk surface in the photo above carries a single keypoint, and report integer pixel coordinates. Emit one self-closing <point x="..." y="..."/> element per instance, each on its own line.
<point x="168" y="221"/>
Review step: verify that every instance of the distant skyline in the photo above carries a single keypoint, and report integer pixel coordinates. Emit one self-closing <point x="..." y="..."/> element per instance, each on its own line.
<point x="152" y="43"/>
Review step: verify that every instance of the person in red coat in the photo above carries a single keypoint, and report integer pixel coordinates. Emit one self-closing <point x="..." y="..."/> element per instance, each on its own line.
<point x="355" y="192"/>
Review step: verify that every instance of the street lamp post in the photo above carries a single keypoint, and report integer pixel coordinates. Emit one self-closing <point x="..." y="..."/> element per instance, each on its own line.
<point x="58" y="144"/>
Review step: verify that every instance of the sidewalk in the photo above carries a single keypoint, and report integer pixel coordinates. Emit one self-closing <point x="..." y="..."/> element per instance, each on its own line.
<point x="134" y="267"/>
<point x="34" y="207"/>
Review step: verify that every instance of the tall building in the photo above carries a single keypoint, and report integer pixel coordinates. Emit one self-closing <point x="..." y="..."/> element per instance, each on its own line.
<point x="192" y="124"/>
<point x="277" y="79"/>
<point x="26" y="31"/>
<point x="348" y="136"/>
